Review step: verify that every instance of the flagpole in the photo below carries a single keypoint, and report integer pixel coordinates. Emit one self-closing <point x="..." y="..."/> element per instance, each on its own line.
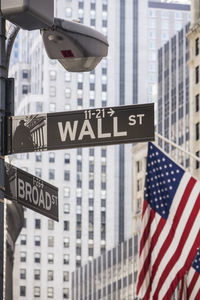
<point x="177" y="146"/>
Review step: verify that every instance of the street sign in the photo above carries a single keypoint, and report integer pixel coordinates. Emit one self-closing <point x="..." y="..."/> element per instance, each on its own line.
<point x="90" y="127"/>
<point x="31" y="191"/>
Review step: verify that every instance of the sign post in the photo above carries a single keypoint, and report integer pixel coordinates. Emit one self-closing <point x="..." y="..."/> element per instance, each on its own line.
<point x="84" y="128"/>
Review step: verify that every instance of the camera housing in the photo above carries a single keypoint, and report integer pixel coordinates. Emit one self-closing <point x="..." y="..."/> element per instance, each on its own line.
<point x="77" y="47"/>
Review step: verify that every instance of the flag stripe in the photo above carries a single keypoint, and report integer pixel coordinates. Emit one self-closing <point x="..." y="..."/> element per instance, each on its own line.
<point x="192" y="283"/>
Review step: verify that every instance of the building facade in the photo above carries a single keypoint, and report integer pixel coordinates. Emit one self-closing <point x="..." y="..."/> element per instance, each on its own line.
<point x="173" y="95"/>
<point x="95" y="184"/>
<point x="194" y="38"/>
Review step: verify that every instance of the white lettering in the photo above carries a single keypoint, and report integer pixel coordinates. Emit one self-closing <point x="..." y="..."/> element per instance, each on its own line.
<point x="21" y="188"/>
<point x="28" y="191"/>
<point x="35" y="196"/>
<point x="140" y="118"/>
<point x="68" y="128"/>
<point x="132" y="120"/>
<point x="86" y="130"/>
<point x="115" y="128"/>
<point x="48" y="201"/>
<point x="100" y="133"/>
<point x="41" y="199"/>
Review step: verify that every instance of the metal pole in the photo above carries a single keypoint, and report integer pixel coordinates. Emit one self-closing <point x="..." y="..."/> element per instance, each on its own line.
<point x="2" y="114"/>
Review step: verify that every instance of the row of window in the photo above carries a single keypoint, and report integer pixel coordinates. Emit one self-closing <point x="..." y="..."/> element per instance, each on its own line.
<point x="37" y="294"/>
<point x="37" y="258"/>
<point x="37" y="241"/>
<point x="50" y="224"/>
<point x="165" y="14"/>
<point x="37" y="275"/>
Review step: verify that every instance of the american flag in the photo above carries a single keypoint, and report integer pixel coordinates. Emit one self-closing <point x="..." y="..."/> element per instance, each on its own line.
<point x="170" y="233"/>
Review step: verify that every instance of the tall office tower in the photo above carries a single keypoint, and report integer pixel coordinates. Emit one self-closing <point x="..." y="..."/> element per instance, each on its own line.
<point x="173" y="95"/>
<point x="165" y="18"/>
<point x="194" y="38"/>
<point x="95" y="184"/>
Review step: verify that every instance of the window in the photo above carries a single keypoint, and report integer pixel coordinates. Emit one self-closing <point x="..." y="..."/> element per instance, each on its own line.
<point x="50" y="275"/>
<point x="37" y="257"/>
<point x="36" y="291"/>
<point x="50" y="258"/>
<point x="197" y="46"/>
<point x="52" y="75"/>
<point x="66" y="175"/>
<point x="66" y="259"/>
<point x="78" y="234"/>
<point x="38" y="157"/>
<point x="37" y="240"/>
<point x="197" y="102"/>
<point x="66" y="192"/>
<point x="24" y="89"/>
<point x="24" y="74"/>
<point x="138" y="166"/>
<point x="91" y="235"/>
<point x="38" y="172"/>
<point x="51" y="174"/>
<point x="66" y="208"/>
<point x="37" y="223"/>
<point x="67" y="76"/>
<point x="103" y="152"/>
<point x="65" y="242"/>
<point x="90" y="251"/>
<point x="197" y="162"/>
<point x="22" y="273"/>
<point x="22" y="291"/>
<point x="52" y="107"/>
<point x="78" y="251"/>
<point x="50" y="224"/>
<point x="197" y="74"/>
<point x="51" y="157"/>
<point x="65" y="293"/>
<point x="67" y="158"/>
<point x="197" y="131"/>
<point x="52" y="91"/>
<point x="23" y="239"/>
<point x="68" y="12"/>
<point x="65" y="276"/>
<point x="50" y="292"/>
<point x="37" y="274"/>
<point x="66" y="225"/>
<point x="23" y="256"/>
<point x="39" y="107"/>
<point x="67" y="92"/>
<point x="50" y="241"/>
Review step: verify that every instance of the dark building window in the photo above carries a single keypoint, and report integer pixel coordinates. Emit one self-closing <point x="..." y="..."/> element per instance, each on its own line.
<point x="22" y="291"/>
<point x="197" y="46"/>
<point x="24" y="89"/>
<point x="66" y="225"/>
<point x="37" y="223"/>
<point x="197" y="102"/>
<point x="197" y="131"/>
<point x="197" y="162"/>
<point x="197" y="74"/>
<point x="80" y="101"/>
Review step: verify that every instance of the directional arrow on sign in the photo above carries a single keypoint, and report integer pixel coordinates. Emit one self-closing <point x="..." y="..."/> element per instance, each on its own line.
<point x="111" y="112"/>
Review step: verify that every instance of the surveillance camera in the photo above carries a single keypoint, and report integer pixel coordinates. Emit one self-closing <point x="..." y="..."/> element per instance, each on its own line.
<point x="77" y="47"/>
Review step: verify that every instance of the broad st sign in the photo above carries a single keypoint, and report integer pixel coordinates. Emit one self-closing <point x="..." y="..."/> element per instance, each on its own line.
<point x="82" y="128"/>
<point x="31" y="192"/>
